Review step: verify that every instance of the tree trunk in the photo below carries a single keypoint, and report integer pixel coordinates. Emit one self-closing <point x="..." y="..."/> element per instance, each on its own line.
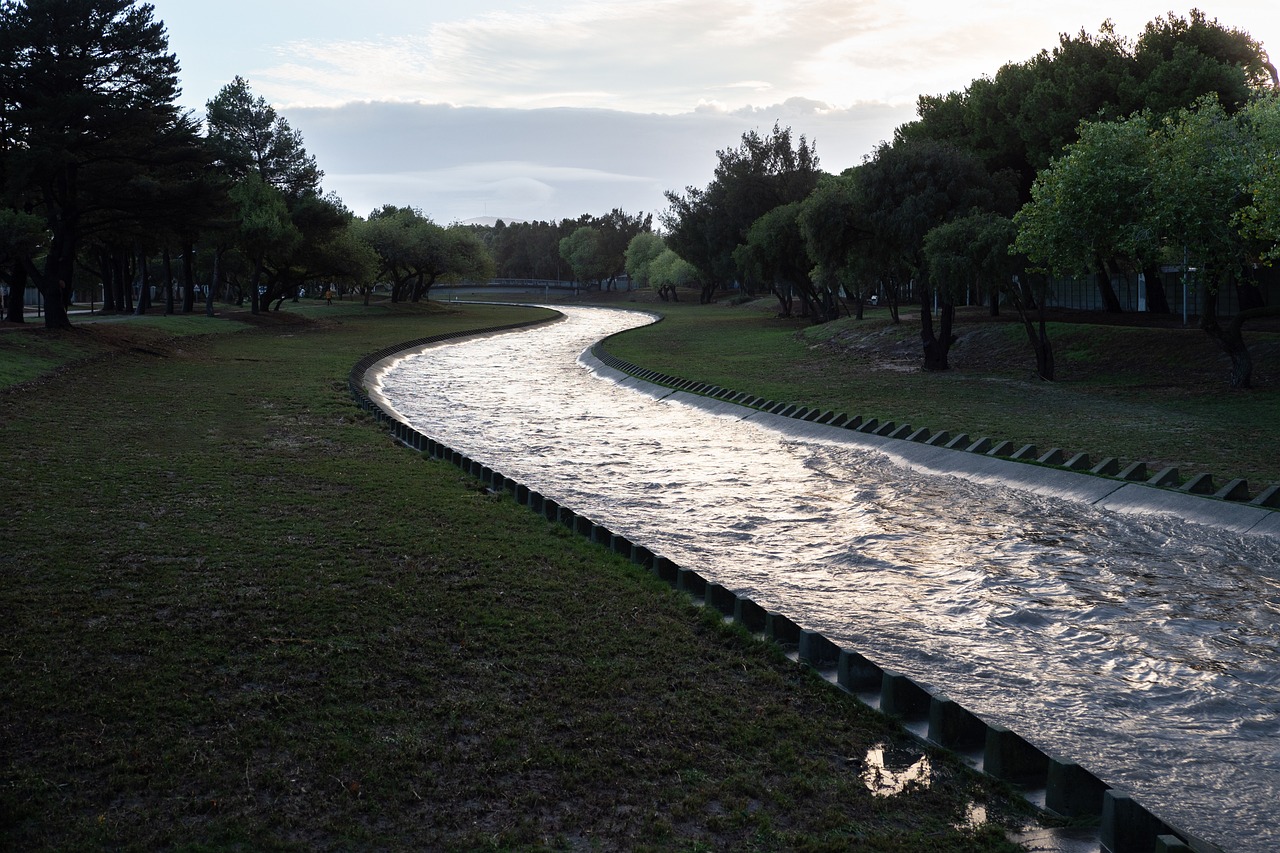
<point x="53" y="287"/>
<point x="168" y="282"/>
<point x="936" y="346"/>
<point x="214" y="281"/>
<point x="15" y="303"/>
<point x="1230" y="339"/>
<point x="1157" y="299"/>
<point x="1249" y="295"/>
<point x="1110" y="302"/>
<point x="255" y="301"/>
<point x="144" y="287"/>
<point x="188" y="278"/>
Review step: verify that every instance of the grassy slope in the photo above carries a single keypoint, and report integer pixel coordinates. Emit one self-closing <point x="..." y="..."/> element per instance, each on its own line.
<point x="1153" y="394"/>
<point x="237" y="616"/>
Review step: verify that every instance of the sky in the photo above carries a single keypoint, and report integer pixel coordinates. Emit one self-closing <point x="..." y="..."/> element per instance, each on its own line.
<point x="547" y="110"/>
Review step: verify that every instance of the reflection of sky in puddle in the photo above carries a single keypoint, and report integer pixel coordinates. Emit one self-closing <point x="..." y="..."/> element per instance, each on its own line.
<point x="1143" y="648"/>
<point x="891" y="770"/>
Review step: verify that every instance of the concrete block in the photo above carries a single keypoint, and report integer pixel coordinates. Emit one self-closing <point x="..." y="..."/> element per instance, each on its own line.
<point x="1171" y="844"/>
<point x="666" y="570"/>
<point x="901" y="432"/>
<point x="1072" y="791"/>
<point x="856" y="673"/>
<point x="620" y="545"/>
<point x="953" y="726"/>
<point x="1199" y="484"/>
<point x="826" y="417"/>
<point x="886" y="428"/>
<point x="960" y="442"/>
<point x="921" y="435"/>
<point x="839" y="420"/>
<point x="1008" y="756"/>
<point x="583" y="526"/>
<point x="1026" y="451"/>
<point x="1166" y="477"/>
<point x="817" y="650"/>
<point x="799" y="414"/>
<point x="1108" y="467"/>
<point x="940" y="439"/>
<point x="1127" y="827"/>
<point x="1001" y="448"/>
<point x="719" y="598"/>
<point x="854" y="422"/>
<point x="787" y="411"/>
<point x="550" y="509"/>
<point x="1234" y="490"/>
<point x="902" y="697"/>
<point x="1270" y="496"/>
<point x="641" y="556"/>
<point x="870" y="425"/>
<point x="982" y="445"/>
<point x="687" y="580"/>
<point x="1134" y="472"/>
<point x="522" y="494"/>
<point x="814" y="415"/>
<point x="781" y="630"/>
<point x="1079" y="462"/>
<point x="750" y="615"/>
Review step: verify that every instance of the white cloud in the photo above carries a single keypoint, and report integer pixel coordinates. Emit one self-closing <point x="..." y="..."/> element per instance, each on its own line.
<point x="458" y="163"/>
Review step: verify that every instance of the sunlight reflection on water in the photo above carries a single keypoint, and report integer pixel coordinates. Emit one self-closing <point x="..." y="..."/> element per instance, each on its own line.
<point x="1144" y="648"/>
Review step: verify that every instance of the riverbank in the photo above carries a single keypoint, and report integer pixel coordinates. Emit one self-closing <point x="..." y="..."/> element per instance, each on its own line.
<point x="239" y="616"/>
<point x="1155" y="392"/>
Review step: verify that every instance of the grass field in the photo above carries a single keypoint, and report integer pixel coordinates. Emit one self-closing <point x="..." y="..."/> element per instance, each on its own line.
<point x="237" y="616"/>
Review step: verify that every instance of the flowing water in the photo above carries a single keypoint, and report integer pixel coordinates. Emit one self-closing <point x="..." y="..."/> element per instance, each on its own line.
<point x="1142" y="647"/>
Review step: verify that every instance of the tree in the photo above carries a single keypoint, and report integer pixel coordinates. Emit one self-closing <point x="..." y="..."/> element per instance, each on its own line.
<point x="641" y="252"/>
<point x="1203" y="185"/>
<point x="1260" y="217"/>
<point x="668" y="272"/>
<point x="705" y="226"/>
<point x="22" y="236"/>
<point x="252" y="144"/>
<point x="585" y="253"/>
<point x="838" y="237"/>
<point x="774" y="252"/>
<point x="912" y="187"/>
<point x="1088" y="209"/>
<point x="616" y="229"/>
<point x="247" y="135"/>
<point x="1021" y="118"/>
<point x="80" y="83"/>
<point x="977" y="250"/>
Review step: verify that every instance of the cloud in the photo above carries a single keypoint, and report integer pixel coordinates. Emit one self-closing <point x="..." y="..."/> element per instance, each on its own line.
<point x="459" y="163"/>
<point x="649" y="56"/>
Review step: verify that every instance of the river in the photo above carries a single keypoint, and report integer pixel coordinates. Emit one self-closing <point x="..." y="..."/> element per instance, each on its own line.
<point x="1145" y="648"/>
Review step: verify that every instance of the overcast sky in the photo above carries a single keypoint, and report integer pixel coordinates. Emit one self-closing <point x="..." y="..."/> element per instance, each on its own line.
<point x="547" y="110"/>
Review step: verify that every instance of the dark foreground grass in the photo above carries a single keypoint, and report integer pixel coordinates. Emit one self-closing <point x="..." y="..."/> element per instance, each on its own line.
<point x="237" y="616"/>
<point x="1154" y="394"/>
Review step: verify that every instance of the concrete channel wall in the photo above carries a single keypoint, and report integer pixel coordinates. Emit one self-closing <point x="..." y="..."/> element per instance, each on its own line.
<point x="1055" y="783"/>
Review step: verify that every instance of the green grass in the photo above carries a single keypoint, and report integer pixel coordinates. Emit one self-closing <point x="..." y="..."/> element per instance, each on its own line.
<point x="238" y="616"/>
<point x="1155" y="395"/>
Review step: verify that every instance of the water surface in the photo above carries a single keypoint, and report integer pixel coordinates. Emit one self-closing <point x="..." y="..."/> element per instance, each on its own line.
<point x="1142" y="647"/>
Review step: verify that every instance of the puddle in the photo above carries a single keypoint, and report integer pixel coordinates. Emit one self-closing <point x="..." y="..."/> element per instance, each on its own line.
<point x="889" y="770"/>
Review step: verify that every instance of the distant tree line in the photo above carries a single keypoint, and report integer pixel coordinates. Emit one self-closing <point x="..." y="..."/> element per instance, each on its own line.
<point x="1099" y="156"/>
